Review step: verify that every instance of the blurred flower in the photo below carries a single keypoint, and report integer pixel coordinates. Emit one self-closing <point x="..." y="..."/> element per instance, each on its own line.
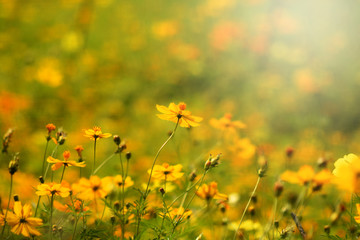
<point x="165" y="29"/>
<point x="119" y="181"/>
<point x="96" y="133"/>
<point x="225" y="34"/>
<point x="21" y="220"/>
<point x="89" y="189"/>
<point x="176" y="213"/>
<point x="225" y="123"/>
<point x="51" y="189"/>
<point x="242" y="150"/>
<point x="68" y="206"/>
<point x="165" y="171"/>
<point x="177" y="113"/>
<point x="306" y="175"/>
<point x="210" y="191"/>
<point x="357" y="218"/>
<point x="50" y="127"/>
<point x="79" y="150"/>
<point x="48" y="73"/>
<point x="72" y="41"/>
<point x="66" y="163"/>
<point x="118" y="233"/>
<point x="347" y="173"/>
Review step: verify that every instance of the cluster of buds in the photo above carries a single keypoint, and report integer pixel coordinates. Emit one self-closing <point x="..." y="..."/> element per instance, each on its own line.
<point x="7" y="139"/>
<point x="212" y="162"/>
<point x="121" y="146"/>
<point x="14" y="164"/>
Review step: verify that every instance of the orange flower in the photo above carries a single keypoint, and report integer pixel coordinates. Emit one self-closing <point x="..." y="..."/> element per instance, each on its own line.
<point x="51" y="189"/>
<point x="210" y="191"/>
<point x="79" y="149"/>
<point x="68" y="206"/>
<point x="89" y="189"/>
<point x="225" y="123"/>
<point x="177" y="113"/>
<point x="21" y="221"/>
<point x="96" y="133"/>
<point x="66" y="163"/>
<point x="306" y="175"/>
<point x="165" y="171"/>
<point x="50" y="127"/>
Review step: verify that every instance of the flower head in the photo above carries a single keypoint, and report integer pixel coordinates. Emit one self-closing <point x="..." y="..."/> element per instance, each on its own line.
<point x="307" y="175"/>
<point x="79" y="150"/>
<point x="66" y="162"/>
<point x="53" y="189"/>
<point x="21" y="221"/>
<point x="165" y="171"/>
<point x="225" y="123"/>
<point x="50" y="127"/>
<point x="89" y="189"/>
<point x="96" y="133"/>
<point x="210" y="191"/>
<point x="176" y="213"/>
<point x="347" y="173"/>
<point x="118" y="180"/>
<point x="177" y="113"/>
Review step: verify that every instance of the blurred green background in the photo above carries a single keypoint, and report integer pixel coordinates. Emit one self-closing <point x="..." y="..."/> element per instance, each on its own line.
<point x="288" y="69"/>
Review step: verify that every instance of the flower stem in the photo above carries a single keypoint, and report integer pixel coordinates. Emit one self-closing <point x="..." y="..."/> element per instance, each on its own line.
<point x="62" y="174"/>
<point x="8" y="205"/>
<point x="43" y="165"/>
<point x="76" y="223"/>
<point x="93" y="168"/>
<point x="52" y="154"/>
<point x="103" y="163"/>
<point x="51" y="213"/>
<point x="247" y="206"/>
<point x="122" y="198"/>
<point x="37" y="206"/>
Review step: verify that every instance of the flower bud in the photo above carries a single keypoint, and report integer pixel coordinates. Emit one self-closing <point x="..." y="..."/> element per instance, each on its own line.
<point x="41" y="179"/>
<point x="192" y="176"/>
<point x="16" y="198"/>
<point x="327" y="229"/>
<point x="112" y="220"/>
<point x="289" y="152"/>
<point x="128" y="155"/>
<point x="263" y="166"/>
<point x="278" y="188"/>
<point x="14" y="164"/>
<point x="207" y="165"/>
<point x="117" y="140"/>
<point x="322" y="162"/>
<point x="7" y="139"/>
<point x="162" y="191"/>
<point x="117" y="205"/>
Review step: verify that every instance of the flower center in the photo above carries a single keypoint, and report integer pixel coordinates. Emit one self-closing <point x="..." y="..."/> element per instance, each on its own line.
<point x="166" y="172"/>
<point x="95" y="188"/>
<point x="23" y="220"/>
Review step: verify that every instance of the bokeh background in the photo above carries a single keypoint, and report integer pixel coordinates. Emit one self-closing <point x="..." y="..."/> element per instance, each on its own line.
<point x="288" y="69"/>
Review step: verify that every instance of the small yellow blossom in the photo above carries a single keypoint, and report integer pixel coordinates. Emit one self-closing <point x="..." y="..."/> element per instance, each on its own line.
<point x="210" y="191"/>
<point x="21" y="221"/>
<point x="118" y="180"/>
<point x="175" y="113"/>
<point x="165" y="171"/>
<point x="176" y="213"/>
<point x="96" y="133"/>
<point x="66" y="163"/>
<point x="357" y="218"/>
<point x="53" y="189"/>
<point x="225" y="123"/>
<point x="89" y="189"/>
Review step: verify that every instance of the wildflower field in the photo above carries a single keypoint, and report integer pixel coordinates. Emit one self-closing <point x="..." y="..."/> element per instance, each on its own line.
<point x="165" y="119"/>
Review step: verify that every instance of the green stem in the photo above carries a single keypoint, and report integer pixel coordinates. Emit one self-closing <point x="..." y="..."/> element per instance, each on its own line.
<point x="62" y="174"/>
<point x="122" y="198"/>
<point x="157" y="155"/>
<point x="44" y="159"/>
<point x="103" y="163"/>
<point x="37" y="206"/>
<point x="247" y="206"/>
<point x="8" y="205"/>
<point x="76" y="222"/>
<point x="52" y="154"/>
<point x="93" y="167"/>
<point x="51" y="213"/>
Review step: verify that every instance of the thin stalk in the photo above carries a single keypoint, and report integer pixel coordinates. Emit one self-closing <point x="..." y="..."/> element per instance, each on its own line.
<point x="122" y="198"/>
<point x="157" y="155"/>
<point x="165" y="209"/>
<point x="48" y="165"/>
<point x="8" y="205"/>
<point x="51" y="213"/>
<point x="274" y="217"/>
<point x="76" y="222"/>
<point x="37" y="206"/>
<point x="62" y="174"/>
<point x="44" y="158"/>
<point x="247" y="206"/>
<point x="93" y="167"/>
<point x="103" y="163"/>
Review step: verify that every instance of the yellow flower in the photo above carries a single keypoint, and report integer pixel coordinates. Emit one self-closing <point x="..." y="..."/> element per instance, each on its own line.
<point x="96" y="133"/>
<point x="55" y="189"/>
<point x="347" y="173"/>
<point x="210" y="191"/>
<point x="66" y="163"/>
<point x="89" y="189"/>
<point x="357" y="218"/>
<point x="176" y="213"/>
<point x="225" y="123"/>
<point x="21" y="221"/>
<point x="307" y="175"/>
<point x="165" y="171"/>
<point x="119" y="181"/>
<point x="177" y="113"/>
